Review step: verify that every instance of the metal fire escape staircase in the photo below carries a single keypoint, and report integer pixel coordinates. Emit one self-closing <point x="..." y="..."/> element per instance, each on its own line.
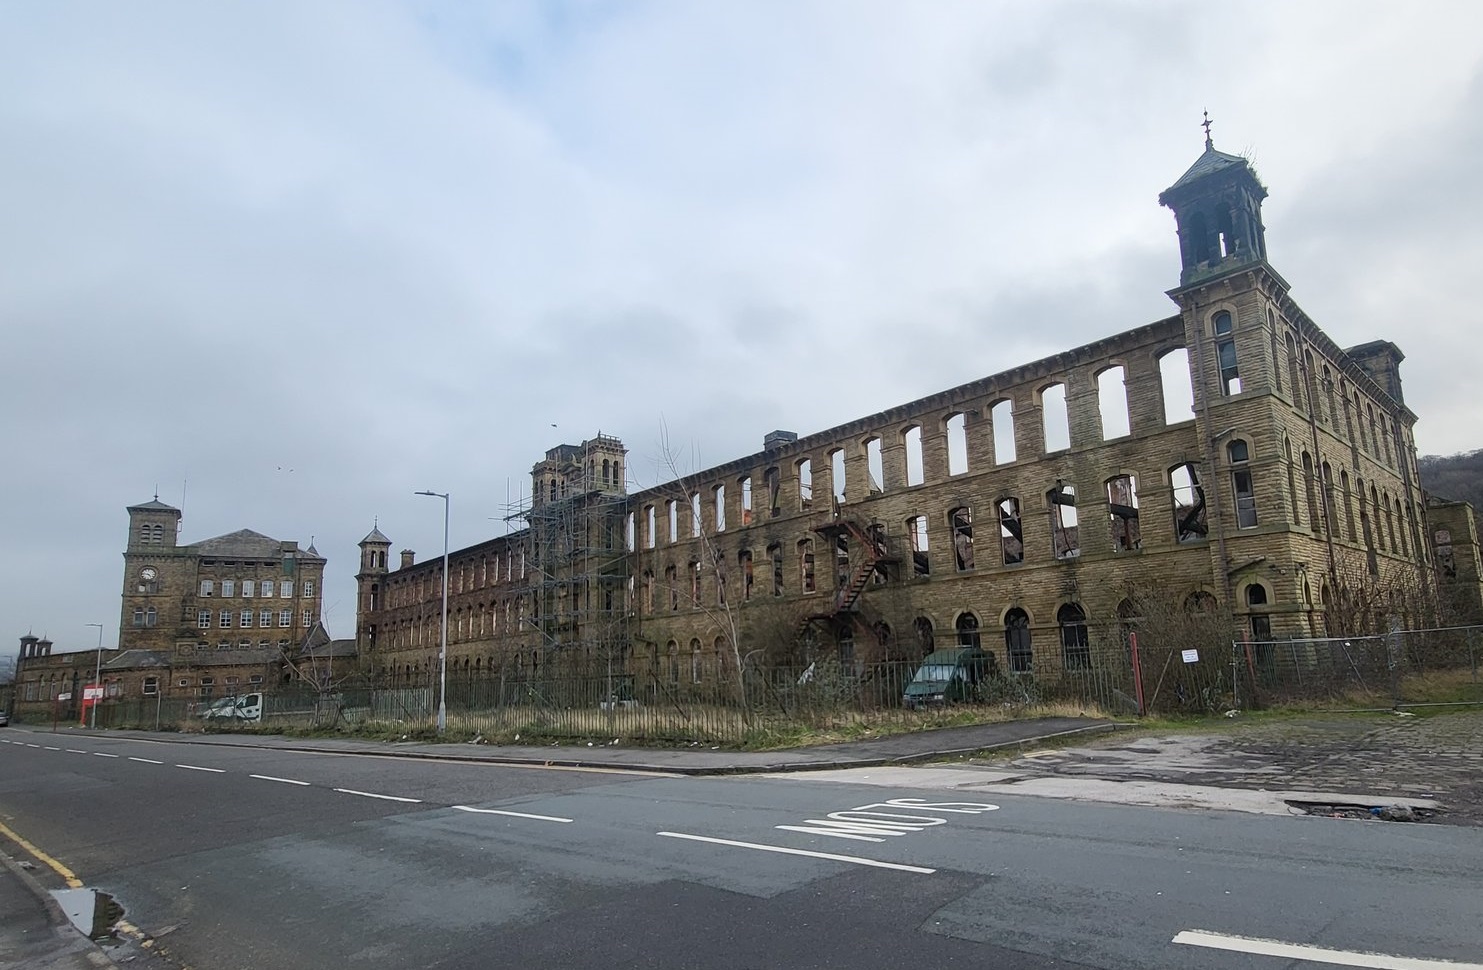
<point x="876" y="553"/>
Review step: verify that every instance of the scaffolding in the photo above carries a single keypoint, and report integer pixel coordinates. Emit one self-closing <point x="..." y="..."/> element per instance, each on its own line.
<point x="576" y="582"/>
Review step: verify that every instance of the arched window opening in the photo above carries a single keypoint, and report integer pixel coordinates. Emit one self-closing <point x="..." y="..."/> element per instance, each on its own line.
<point x="967" y="627"/>
<point x="1112" y="403"/>
<point x="915" y="471"/>
<point x="806" y="484"/>
<point x="1225" y="354"/>
<point x="806" y="565"/>
<point x="1177" y="386"/>
<point x="1189" y="504"/>
<point x="1065" y="530"/>
<point x="1002" y="418"/>
<point x="921" y="562"/>
<point x="1017" y="641"/>
<point x="1076" y="649"/>
<point x="875" y="468"/>
<point x="926" y="641"/>
<point x="962" y="525"/>
<point x="1055" y="418"/>
<point x="1310" y="490"/>
<point x="957" y="444"/>
<point x="1122" y="511"/>
<point x="837" y="473"/>
<point x="1241" y="485"/>
<point x="1011" y="536"/>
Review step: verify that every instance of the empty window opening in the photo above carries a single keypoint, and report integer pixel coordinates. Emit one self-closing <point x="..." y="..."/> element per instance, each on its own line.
<point x="915" y="473"/>
<point x="806" y="565"/>
<point x="1017" y="641"/>
<point x="772" y="480"/>
<point x="1225" y="353"/>
<point x="957" y="444"/>
<point x="694" y="570"/>
<point x="673" y="511"/>
<point x="841" y="560"/>
<point x="1189" y="504"/>
<point x="630" y="539"/>
<point x="744" y="566"/>
<point x="1002" y="416"/>
<point x="745" y="486"/>
<point x="775" y="554"/>
<point x="650" y="527"/>
<point x="1076" y="650"/>
<point x="1328" y="394"/>
<point x="1178" y="390"/>
<point x="875" y="466"/>
<point x="1348" y="504"/>
<point x="718" y="497"/>
<point x="1239" y="455"/>
<point x="695" y="515"/>
<point x="1112" y="403"/>
<point x="967" y="629"/>
<point x="1330" y="501"/>
<point x="921" y="563"/>
<point x="1310" y="489"/>
<point x="806" y="484"/>
<point x="606" y="468"/>
<point x="1276" y="354"/>
<point x="837" y="473"/>
<point x="1011" y="536"/>
<point x="672" y="582"/>
<point x="962" y="525"/>
<point x="1055" y="419"/>
<point x="1065" y="532"/>
<point x="1122" y="510"/>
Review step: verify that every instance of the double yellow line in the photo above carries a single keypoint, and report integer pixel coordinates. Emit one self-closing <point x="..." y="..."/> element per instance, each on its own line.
<point x="71" y="877"/>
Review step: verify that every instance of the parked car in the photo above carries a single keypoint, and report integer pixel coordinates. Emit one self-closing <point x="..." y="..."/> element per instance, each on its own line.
<point x="248" y="707"/>
<point x="949" y="675"/>
<point x="4" y="719"/>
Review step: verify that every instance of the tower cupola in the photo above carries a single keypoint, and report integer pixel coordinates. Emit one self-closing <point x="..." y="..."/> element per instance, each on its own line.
<point x="1217" y="207"/>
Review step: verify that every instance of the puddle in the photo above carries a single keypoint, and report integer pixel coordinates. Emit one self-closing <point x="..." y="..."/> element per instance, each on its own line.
<point x="94" y="913"/>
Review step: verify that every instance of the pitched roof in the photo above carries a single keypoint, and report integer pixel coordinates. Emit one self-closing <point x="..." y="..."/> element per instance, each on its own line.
<point x="1209" y="163"/>
<point x="137" y="659"/>
<point x="375" y="536"/>
<point x="152" y="506"/>
<point x="243" y="543"/>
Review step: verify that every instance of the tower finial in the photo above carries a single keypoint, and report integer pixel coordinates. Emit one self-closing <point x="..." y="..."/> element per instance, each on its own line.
<point x="1209" y="144"/>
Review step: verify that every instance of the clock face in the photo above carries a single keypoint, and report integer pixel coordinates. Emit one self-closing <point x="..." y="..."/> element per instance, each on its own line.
<point x="148" y="572"/>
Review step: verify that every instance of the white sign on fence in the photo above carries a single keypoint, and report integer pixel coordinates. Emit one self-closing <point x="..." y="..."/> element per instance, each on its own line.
<point x="64" y="697"/>
<point x="92" y="693"/>
<point x="1191" y="656"/>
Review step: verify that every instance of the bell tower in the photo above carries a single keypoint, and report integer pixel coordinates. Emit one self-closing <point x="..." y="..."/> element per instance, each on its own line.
<point x="370" y="585"/>
<point x="1217" y="206"/>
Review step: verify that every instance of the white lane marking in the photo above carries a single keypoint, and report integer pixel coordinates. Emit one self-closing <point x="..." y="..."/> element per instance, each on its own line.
<point x="286" y="781"/>
<point x="496" y="811"/>
<point x="100" y="754"/>
<point x="368" y="794"/>
<point x="1315" y="954"/>
<point x="30" y="745"/>
<point x="52" y="747"/>
<point x="76" y="751"/>
<point x="148" y="761"/>
<point x="787" y="851"/>
<point x="215" y="771"/>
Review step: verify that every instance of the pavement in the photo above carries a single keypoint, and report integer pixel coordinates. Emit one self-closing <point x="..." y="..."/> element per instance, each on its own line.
<point x="1432" y="763"/>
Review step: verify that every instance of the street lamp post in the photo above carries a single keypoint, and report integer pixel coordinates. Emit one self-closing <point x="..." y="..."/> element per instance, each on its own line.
<point x="443" y="629"/>
<point x="98" y="675"/>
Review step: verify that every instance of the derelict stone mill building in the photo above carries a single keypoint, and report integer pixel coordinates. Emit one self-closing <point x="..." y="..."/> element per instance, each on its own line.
<point x="1232" y="453"/>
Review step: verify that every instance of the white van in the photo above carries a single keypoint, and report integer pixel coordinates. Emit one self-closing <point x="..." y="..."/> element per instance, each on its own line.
<point x="248" y="707"/>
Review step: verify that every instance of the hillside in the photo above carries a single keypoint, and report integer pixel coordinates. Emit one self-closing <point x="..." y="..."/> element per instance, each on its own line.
<point x="1457" y="477"/>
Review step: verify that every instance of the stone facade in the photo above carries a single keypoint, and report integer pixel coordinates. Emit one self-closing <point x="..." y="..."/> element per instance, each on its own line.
<point x="1231" y="454"/>
<point x="208" y="619"/>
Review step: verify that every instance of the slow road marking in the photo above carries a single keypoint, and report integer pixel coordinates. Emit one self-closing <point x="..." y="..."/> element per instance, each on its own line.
<point x="368" y="794"/>
<point x="497" y="811"/>
<point x="1315" y="954"/>
<point x="856" y="860"/>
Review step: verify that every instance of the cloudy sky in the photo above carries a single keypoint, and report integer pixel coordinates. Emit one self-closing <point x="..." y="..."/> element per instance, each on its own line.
<point x="290" y="262"/>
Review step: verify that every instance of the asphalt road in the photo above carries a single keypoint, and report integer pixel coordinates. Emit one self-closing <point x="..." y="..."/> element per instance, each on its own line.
<point x="253" y="858"/>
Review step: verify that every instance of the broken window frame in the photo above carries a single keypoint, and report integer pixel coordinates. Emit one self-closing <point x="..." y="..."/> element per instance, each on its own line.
<point x="744" y="566"/>
<point x="875" y="467"/>
<point x="804" y="471"/>
<point x="968" y="631"/>
<point x="772" y="480"/>
<point x="1065" y="523"/>
<point x="775" y="555"/>
<point x="1122" y="513"/>
<point x="806" y="579"/>
<point x="960" y="525"/>
<point x="1190" y="513"/>
<point x="921" y="560"/>
<point x="744" y="489"/>
<point x="1011" y="530"/>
